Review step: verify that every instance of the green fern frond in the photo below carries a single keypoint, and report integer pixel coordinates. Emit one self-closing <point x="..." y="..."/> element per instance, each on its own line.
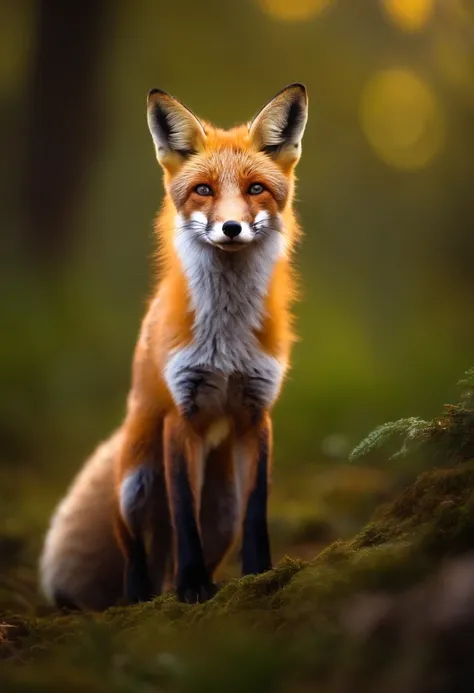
<point x="450" y="435"/>
<point x="409" y="429"/>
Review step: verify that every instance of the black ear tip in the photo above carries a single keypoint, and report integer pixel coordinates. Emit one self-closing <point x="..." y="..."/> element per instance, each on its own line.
<point x="296" y="89"/>
<point x="156" y="92"/>
<point x="298" y="86"/>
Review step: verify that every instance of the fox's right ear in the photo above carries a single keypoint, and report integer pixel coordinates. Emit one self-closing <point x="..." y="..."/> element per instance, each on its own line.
<point x="176" y="132"/>
<point x="278" y="128"/>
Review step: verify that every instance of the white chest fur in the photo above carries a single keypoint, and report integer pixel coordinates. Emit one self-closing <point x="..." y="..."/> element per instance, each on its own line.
<point x="227" y="295"/>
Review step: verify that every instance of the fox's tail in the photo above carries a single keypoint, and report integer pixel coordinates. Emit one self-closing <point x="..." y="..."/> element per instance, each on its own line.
<point x="81" y="564"/>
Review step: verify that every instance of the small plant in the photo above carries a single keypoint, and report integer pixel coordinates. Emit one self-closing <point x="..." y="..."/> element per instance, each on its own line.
<point x="449" y="437"/>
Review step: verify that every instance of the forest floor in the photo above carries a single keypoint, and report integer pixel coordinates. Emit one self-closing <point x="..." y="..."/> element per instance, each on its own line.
<point x="390" y="609"/>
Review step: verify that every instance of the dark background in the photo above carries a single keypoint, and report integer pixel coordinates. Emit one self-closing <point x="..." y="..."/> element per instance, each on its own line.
<point x="385" y="197"/>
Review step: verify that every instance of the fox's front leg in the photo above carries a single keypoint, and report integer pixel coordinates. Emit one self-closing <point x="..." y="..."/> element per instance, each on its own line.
<point x="184" y="466"/>
<point x="256" y="459"/>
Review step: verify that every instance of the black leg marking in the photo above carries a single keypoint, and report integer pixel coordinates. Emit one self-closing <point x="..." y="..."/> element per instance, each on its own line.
<point x="137" y="587"/>
<point x="193" y="583"/>
<point x="62" y="601"/>
<point x="256" y="557"/>
<point x="137" y="493"/>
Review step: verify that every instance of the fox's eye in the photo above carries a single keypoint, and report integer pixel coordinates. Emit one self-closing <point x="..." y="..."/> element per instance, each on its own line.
<point x="256" y="189"/>
<point x="204" y="190"/>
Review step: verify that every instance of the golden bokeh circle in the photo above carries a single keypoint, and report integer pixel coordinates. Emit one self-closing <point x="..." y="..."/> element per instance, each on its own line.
<point x="294" y="10"/>
<point x="408" y="15"/>
<point x="401" y="118"/>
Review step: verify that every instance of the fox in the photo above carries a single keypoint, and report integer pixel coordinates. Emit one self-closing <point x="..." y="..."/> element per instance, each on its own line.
<point x="187" y="474"/>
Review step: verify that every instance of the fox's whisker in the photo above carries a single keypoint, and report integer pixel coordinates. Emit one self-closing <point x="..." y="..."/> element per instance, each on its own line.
<point x="194" y="225"/>
<point x="264" y="224"/>
<point x="267" y="231"/>
<point x="266" y="228"/>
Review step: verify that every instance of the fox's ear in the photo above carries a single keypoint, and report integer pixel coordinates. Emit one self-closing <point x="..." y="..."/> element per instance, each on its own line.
<point x="278" y="128"/>
<point x="176" y="132"/>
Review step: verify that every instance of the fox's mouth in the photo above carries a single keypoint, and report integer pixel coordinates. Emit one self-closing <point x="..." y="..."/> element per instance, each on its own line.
<point x="231" y="246"/>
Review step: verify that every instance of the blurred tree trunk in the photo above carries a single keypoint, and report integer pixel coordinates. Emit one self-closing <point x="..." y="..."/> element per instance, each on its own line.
<point x="63" y="123"/>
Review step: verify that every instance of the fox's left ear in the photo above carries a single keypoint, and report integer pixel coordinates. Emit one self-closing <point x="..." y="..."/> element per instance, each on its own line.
<point x="278" y="128"/>
<point x="176" y="132"/>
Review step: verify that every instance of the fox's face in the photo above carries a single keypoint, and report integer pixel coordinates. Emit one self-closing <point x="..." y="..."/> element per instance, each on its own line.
<point x="229" y="188"/>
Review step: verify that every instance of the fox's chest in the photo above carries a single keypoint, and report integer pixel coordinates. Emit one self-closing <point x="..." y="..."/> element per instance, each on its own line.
<point x="223" y="368"/>
<point x="201" y="388"/>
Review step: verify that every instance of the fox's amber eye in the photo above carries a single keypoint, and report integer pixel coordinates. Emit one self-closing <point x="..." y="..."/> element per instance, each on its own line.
<point x="204" y="190"/>
<point x="256" y="189"/>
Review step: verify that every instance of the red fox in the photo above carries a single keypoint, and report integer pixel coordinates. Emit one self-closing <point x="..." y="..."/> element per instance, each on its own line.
<point x="188" y="471"/>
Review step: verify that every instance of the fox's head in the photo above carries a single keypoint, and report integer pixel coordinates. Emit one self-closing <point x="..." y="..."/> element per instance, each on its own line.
<point x="229" y="188"/>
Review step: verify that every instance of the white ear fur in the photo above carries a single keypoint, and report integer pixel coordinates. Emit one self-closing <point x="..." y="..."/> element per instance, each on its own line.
<point x="278" y="128"/>
<point x="176" y="132"/>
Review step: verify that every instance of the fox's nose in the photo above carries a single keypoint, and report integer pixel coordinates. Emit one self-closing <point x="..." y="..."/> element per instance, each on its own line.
<point x="231" y="228"/>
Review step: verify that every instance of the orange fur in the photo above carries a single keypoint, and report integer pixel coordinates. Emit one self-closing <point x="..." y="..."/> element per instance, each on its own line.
<point x="220" y="443"/>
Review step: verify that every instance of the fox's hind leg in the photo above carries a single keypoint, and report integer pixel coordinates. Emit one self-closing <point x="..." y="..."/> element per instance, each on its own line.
<point x="159" y="545"/>
<point x="137" y="585"/>
<point x="142" y="524"/>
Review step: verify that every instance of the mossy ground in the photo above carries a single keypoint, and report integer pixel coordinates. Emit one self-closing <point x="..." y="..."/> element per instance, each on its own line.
<point x="285" y="627"/>
<point x="289" y="629"/>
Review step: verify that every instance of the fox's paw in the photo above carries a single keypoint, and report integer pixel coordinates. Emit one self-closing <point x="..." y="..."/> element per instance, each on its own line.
<point x="137" y="591"/>
<point x="196" y="593"/>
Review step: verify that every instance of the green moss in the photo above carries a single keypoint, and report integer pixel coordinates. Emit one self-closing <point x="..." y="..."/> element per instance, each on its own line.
<point x="404" y="541"/>
<point x="263" y="628"/>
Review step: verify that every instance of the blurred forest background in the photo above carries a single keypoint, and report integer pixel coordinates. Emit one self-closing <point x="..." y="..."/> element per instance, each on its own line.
<point x="385" y="197"/>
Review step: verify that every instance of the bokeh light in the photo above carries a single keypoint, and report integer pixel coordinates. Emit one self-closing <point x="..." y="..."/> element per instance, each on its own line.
<point x="294" y="10"/>
<point x="409" y="15"/>
<point x="401" y="118"/>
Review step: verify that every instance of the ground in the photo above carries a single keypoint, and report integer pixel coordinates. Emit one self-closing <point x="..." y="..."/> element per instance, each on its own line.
<point x="390" y="609"/>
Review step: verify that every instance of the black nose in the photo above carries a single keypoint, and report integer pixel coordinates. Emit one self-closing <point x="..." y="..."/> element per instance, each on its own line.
<point x="231" y="228"/>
